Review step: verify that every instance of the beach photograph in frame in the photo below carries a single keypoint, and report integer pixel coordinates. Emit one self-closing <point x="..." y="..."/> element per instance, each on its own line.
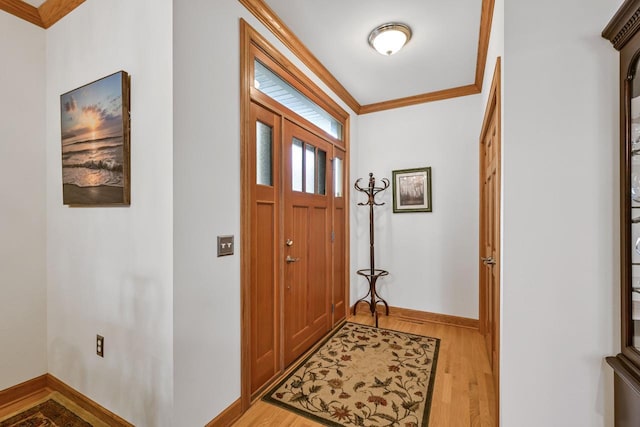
<point x="412" y="190"/>
<point x="95" y="143"/>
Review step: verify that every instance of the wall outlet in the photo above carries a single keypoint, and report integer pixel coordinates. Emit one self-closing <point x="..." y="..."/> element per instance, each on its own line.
<point x="100" y="345"/>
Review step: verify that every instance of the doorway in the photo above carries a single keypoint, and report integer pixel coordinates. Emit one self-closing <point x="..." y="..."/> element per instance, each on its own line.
<point x="294" y="214"/>
<point x="490" y="190"/>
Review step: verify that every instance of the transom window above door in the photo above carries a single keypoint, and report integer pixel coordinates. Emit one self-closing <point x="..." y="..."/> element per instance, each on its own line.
<point x="272" y="85"/>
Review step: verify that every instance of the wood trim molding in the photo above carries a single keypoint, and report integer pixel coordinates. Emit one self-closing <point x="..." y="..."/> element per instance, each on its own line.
<point x="420" y="99"/>
<point x="50" y="12"/>
<point x="25" y="389"/>
<point x="486" y="19"/>
<point x="417" y="316"/>
<point x="268" y="17"/>
<point x="22" y="10"/>
<point x="85" y="403"/>
<point x="245" y="218"/>
<point x="228" y="416"/>
<point x="273" y="22"/>
<point x="22" y="390"/>
<point x="624" y="24"/>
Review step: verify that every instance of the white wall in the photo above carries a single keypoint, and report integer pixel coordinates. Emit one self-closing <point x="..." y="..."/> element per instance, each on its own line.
<point x="207" y="204"/>
<point x="23" y="326"/>
<point x="560" y="250"/>
<point x="432" y="257"/>
<point x="109" y="270"/>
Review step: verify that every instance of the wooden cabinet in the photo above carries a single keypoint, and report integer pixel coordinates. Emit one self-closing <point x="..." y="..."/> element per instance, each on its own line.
<point x="623" y="33"/>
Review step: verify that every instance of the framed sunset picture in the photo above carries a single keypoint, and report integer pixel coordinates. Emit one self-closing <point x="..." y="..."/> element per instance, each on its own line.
<point x="95" y="143"/>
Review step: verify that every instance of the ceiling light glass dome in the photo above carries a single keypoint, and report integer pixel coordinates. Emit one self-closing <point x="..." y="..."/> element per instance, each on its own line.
<point x="389" y="38"/>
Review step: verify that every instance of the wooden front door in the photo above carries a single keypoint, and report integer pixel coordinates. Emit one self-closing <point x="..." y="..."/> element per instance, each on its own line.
<point x="307" y="232"/>
<point x="490" y="225"/>
<point x="294" y="238"/>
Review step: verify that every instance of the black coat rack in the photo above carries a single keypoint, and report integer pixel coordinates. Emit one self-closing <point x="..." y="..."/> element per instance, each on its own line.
<point x="372" y="274"/>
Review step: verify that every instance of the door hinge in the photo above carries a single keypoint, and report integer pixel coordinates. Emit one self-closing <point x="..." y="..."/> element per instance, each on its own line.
<point x="333" y="236"/>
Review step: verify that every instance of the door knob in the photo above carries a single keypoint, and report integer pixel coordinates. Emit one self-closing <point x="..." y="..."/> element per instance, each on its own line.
<point x="289" y="242"/>
<point x="290" y="260"/>
<point x="488" y="260"/>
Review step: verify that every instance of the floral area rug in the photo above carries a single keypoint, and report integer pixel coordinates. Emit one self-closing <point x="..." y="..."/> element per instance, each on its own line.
<point x="363" y="376"/>
<point x="46" y="414"/>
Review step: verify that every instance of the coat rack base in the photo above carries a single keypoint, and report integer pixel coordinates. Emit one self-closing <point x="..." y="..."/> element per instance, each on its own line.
<point x="372" y="298"/>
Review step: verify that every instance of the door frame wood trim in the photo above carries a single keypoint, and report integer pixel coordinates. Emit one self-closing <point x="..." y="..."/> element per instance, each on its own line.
<point x="250" y="43"/>
<point x="494" y="106"/>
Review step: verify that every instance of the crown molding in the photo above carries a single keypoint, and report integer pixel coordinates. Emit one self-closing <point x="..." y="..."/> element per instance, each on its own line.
<point x="50" y="12"/>
<point x="273" y="22"/>
<point x="438" y="95"/>
<point x="624" y="24"/>
<point x="22" y="10"/>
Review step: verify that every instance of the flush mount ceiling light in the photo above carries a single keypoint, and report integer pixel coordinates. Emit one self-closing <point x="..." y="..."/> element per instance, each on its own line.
<point x="389" y="38"/>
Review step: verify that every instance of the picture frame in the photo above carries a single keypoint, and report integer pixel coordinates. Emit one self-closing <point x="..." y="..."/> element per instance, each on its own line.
<point x="95" y="141"/>
<point x="412" y="190"/>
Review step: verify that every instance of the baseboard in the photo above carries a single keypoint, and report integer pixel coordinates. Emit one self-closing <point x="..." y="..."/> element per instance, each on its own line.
<point x="228" y="416"/>
<point x="85" y="403"/>
<point x="418" y="316"/>
<point x="22" y="390"/>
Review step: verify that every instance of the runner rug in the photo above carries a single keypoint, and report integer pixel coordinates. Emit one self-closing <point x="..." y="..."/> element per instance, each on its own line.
<point x="363" y="376"/>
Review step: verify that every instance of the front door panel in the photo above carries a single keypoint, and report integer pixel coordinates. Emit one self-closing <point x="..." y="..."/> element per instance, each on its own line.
<point x="307" y="234"/>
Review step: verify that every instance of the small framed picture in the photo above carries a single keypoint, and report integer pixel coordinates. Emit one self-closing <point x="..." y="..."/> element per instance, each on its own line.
<point x="412" y="190"/>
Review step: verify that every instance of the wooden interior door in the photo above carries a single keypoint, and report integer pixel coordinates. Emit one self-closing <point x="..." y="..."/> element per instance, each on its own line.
<point x="488" y="250"/>
<point x="490" y="226"/>
<point x="307" y="196"/>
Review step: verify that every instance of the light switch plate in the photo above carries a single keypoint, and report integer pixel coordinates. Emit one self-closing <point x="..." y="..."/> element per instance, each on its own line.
<point x="225" y="245"/>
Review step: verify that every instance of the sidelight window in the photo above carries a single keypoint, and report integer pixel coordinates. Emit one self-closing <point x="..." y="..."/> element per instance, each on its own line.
<point x="264" y="157"/>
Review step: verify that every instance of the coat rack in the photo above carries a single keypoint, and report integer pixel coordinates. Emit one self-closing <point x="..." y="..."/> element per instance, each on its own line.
<point x="372" y="274"/>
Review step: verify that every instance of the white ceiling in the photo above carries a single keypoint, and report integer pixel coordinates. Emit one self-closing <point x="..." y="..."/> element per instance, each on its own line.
<point x="441" y="55"/>
<point x="35" y="3"/>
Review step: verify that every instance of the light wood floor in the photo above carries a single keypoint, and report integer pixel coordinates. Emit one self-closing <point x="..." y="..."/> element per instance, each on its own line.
<point x="463" y="392"/>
